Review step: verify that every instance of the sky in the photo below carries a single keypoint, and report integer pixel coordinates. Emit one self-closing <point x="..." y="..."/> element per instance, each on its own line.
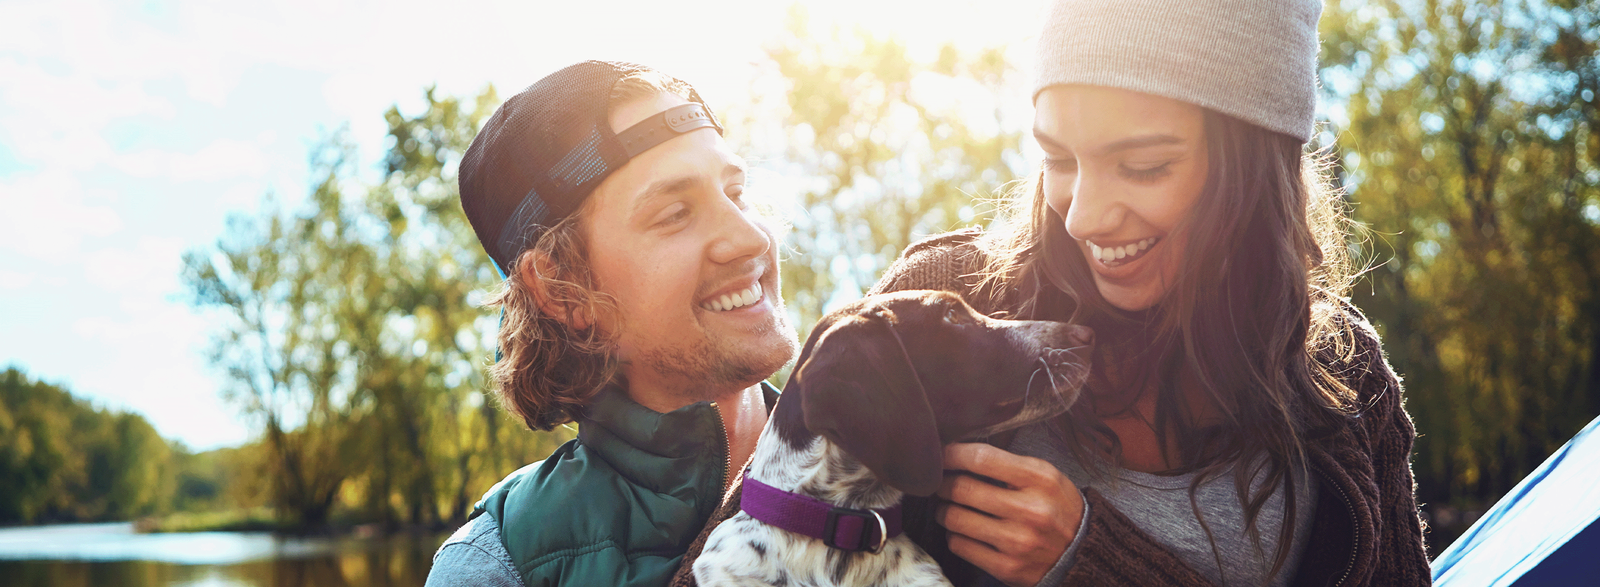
<point x="129" y="131"/>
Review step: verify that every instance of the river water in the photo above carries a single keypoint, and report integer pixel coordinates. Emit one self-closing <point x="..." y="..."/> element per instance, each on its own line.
<point x="113" y="555"/>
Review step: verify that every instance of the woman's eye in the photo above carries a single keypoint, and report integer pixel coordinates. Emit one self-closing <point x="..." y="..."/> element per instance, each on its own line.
<point x="1147" y="173"/>
<point x="1066" y="165"/>
<point x="736" y="193"/>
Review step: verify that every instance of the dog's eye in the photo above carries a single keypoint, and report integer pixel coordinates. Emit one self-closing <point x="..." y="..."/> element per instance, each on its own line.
<point x="954" y="315"/>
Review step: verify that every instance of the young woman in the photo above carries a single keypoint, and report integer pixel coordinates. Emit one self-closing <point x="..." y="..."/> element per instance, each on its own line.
<point x="1242" y="426"/>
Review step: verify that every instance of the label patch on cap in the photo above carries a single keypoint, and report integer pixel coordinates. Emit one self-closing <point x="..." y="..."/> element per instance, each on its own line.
<point x="672" y="122"/>
<point x="688" y="117"/>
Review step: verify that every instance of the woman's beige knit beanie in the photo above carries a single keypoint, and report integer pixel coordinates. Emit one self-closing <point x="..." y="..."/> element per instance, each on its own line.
<point x="1255" y="60"/>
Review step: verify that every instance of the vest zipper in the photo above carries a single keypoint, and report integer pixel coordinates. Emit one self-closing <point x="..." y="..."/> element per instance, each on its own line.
<point x="727" y="448"/>
<point x="1355" y="528"/>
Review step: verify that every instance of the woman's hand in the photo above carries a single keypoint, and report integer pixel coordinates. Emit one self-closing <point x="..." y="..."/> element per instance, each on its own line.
<point x="1016" y="533"/>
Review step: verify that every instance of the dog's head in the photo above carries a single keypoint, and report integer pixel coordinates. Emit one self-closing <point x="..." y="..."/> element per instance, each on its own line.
<point x="892" y="378"/>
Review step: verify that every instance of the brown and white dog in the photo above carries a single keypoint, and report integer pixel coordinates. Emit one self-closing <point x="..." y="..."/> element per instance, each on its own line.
<point x="880" y="387"/>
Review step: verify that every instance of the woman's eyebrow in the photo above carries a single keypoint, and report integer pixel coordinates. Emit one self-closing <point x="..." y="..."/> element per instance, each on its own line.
<point x="1047" y="142"/>
<point x="1139" y="142"/>
<point x="1122" y="145"/>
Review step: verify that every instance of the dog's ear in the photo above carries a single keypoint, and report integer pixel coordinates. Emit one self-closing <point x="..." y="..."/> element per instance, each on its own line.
<point x="859" y="392"/>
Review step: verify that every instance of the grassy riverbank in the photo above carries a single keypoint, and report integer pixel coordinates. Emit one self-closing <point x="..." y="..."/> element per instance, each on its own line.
<point x="263" y="519"/>
<point x="247" y="520"/>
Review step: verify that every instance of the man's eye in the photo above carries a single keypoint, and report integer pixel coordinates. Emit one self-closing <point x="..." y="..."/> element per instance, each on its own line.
<point x="736" y="193"/>
<point x="675" y="218"/>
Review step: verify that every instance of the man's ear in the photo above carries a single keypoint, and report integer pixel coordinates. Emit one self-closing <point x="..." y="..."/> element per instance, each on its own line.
<point x="530" y="267"/>
<point x="858" y="392"/>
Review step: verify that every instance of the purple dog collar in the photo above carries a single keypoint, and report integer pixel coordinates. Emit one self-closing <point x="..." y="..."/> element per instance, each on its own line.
<point x="842" y="528"/>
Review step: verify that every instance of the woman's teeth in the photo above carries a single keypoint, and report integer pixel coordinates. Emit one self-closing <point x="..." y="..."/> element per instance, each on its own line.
<point x="738" y="299"/>
<point x="1115" y="256"/>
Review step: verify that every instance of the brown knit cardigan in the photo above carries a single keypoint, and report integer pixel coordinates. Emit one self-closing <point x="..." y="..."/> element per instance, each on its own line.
<point x="1365" y="532"/>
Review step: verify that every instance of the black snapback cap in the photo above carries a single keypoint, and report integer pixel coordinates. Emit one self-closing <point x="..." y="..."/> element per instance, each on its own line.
<point x="546" y="148"/>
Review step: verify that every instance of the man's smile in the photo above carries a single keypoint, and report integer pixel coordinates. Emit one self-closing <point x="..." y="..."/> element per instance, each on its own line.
<point x="737" y="299"/>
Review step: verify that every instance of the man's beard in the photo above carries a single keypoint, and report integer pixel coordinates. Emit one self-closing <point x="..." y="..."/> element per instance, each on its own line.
<point x="712" y="365"/>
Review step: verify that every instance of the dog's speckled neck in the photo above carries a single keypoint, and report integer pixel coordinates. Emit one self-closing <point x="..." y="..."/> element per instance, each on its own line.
<point x="819" y="469"/>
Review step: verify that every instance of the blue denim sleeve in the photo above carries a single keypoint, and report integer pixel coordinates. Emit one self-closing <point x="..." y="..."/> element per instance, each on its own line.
<point x="474" y="555"/>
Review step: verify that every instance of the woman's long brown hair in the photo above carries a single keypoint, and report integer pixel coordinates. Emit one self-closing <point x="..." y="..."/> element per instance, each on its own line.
<point x="1265" y="265"/>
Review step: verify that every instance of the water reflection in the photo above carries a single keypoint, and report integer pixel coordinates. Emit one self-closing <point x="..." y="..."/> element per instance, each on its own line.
<point x="112" y="554"/>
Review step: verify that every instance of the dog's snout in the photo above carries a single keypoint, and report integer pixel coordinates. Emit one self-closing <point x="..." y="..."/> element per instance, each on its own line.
<point x="1080" y="335"/>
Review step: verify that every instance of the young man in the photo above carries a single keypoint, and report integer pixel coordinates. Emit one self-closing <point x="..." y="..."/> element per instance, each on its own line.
<point x="641" y="302"/>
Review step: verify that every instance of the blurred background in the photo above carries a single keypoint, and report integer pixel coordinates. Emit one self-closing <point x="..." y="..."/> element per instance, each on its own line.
<point x="240" y="341"/>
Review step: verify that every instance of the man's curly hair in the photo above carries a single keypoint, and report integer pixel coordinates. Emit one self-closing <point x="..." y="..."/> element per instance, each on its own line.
<point x="549" y="370"/>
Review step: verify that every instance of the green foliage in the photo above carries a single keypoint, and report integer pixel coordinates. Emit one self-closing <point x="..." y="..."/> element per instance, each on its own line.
<point x="884" y="149"/>
<point x="221" y="480"/>
<point x="288" y="288"/>
<point x="1472" y="151"/>
<point x="259" y="519"/>
<point x="348" y="333"/>
<point x="62" y="459"/>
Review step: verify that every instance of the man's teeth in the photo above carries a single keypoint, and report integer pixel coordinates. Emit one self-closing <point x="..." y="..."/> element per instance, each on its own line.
<point x="738" y="299"/>
<point x="1114" y="256"/>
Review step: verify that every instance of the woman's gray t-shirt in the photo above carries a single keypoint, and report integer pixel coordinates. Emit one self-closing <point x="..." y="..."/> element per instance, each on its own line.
<point x="1159" y="505"/>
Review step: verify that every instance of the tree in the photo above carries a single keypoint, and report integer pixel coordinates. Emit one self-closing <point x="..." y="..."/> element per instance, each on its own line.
<point x="36" y="464"/>
<point x="885" y="149"/>
<point x="283" y="288"/>
<point x="1471" y="150"/>
<point x="350" y="335"/>
<point x="63" y="459"/>
<point x="434" y="395"/>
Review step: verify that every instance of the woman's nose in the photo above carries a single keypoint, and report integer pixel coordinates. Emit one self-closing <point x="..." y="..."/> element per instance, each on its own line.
<point x="1093" y="210"/>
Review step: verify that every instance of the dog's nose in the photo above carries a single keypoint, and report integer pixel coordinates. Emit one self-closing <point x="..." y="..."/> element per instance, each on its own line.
<point x="1080" y="335"/>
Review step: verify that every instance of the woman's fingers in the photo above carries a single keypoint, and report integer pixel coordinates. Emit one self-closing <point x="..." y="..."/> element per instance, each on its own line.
<point x="1030" y="506"/>
<point x="992" y="561"/>
<point x="1016" y="532"/>
<point x="966" y="489"/>
<point x="998" y="533"/>
<point x="1000" y="465"/>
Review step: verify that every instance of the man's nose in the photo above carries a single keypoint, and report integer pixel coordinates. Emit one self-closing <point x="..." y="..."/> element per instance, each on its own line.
<point x="739" y="235"/>
<point x="1096" y="209"/>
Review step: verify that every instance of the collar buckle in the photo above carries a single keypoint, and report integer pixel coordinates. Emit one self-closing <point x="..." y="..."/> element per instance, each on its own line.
<point x="830" y="530"/>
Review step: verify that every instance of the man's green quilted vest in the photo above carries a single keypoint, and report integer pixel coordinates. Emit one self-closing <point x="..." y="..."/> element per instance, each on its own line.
<point x="620" y="504"/>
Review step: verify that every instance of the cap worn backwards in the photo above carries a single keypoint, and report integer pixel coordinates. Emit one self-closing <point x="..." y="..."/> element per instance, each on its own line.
<point x="545" y="149"/>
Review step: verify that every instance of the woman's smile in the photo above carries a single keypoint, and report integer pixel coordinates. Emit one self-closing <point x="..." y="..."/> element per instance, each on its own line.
<point x="1125" y="263"/>
<point x="1121" y="254"/>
